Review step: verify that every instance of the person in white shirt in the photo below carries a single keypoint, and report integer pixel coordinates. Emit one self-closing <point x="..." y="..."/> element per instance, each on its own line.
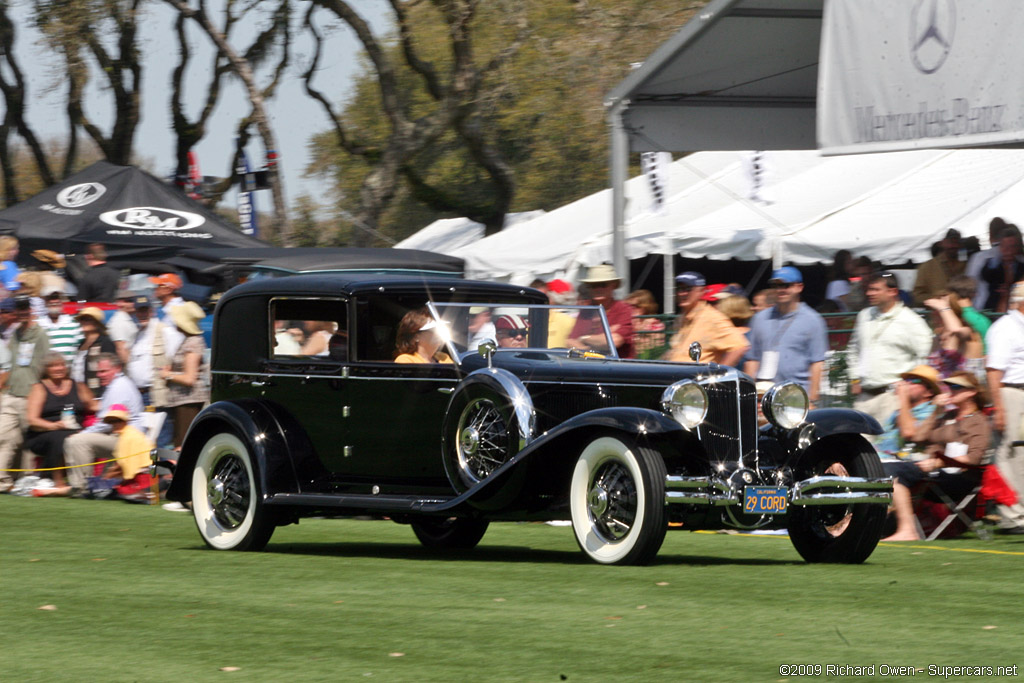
<point x="121" y="328"/>
<point x="888" y="339"/>
<point x="1005" y="373"/>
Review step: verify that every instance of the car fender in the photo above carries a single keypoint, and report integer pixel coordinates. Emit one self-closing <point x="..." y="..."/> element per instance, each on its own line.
<point x="829" y="421"/>
<point x="271" y="434"/>
<point x="556" y="450"/>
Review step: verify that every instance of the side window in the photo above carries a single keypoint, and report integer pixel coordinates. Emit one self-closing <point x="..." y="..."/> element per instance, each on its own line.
<point x="309" y="328"/>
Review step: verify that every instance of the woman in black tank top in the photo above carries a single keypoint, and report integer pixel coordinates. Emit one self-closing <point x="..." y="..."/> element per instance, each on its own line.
<point x="55" y="409"/>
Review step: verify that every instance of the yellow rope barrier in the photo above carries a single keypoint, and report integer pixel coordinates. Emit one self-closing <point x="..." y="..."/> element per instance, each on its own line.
<point x="70" y="467"/>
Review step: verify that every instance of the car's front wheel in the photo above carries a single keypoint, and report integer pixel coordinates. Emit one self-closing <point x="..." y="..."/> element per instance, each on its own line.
<point x="226" y="503"/>
<point x="844" y="534"/>
<point x="453" y="533"/>
<point x="617" y="501"/>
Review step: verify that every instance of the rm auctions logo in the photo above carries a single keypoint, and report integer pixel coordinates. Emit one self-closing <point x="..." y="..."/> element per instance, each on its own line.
<point x="932" y="27"/>
<point x="79" y="195"/>
<point x="152" y="218"/>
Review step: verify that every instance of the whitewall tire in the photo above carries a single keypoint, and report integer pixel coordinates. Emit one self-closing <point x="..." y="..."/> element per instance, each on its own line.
<point x="226" y="500"/>
<point x="617" y="501"/>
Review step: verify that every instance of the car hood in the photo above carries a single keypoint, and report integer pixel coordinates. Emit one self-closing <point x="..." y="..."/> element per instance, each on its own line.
<point x="556" y="366"/>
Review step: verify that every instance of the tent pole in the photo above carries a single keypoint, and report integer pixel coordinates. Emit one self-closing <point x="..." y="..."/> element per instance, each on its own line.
<point x="619" y="163"/>
<point x="668" y="279"/>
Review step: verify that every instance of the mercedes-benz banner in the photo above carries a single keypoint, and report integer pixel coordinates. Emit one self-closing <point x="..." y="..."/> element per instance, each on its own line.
<point x="907" y="74"/>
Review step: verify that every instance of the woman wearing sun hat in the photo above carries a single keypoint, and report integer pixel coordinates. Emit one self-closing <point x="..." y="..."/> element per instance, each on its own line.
<point x="960" y="436"/>
<point x="187" y="377"/>
<point x="588" y="333"/>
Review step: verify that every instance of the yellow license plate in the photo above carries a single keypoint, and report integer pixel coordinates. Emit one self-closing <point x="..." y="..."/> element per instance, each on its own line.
<point x="765" y="500"/>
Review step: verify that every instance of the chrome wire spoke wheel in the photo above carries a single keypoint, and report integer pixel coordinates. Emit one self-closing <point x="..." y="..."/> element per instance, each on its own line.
<point x="612" y="501"/>
<point x="228" y="491"/>
<point x="482" y="444"/>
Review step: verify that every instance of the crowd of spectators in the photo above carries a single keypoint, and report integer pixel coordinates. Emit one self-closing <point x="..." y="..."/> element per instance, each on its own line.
<point x="76" y="386"/>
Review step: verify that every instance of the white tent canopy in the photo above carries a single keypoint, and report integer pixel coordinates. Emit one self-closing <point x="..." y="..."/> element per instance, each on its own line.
<point x="890" y="207"/>
<point x="446" y="235"/>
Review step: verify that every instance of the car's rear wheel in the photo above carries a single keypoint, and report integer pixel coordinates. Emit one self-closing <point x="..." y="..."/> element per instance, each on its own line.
<point x="453" y="533"/>
<point x="845" y="534"/>
<point x="617" y="501"/>
<point x="226" y="501"/>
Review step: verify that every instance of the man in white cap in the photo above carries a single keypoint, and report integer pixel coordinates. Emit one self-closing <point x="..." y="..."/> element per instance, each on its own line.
<point x="1005" y="370"/>
<point x="587" y="334"/>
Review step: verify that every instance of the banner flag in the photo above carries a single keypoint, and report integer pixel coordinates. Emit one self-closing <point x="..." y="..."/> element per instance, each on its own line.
<point x="246" y="207"/>
<point x="654" y="166"/>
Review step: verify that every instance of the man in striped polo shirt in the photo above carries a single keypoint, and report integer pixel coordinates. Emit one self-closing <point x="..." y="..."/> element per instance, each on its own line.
<point x="64" y="331"/>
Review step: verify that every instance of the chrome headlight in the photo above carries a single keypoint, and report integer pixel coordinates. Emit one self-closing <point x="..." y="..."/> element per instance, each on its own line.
<point x="687" y="402"/>
<point x="785" y="405"/>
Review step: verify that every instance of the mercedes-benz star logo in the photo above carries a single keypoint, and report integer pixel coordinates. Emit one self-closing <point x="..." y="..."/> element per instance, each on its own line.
<point x="932" y="27"/>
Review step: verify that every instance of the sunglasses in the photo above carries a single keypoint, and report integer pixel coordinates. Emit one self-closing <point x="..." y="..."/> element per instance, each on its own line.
<point x="509" y="334"/>
<point x="779" y="284"/>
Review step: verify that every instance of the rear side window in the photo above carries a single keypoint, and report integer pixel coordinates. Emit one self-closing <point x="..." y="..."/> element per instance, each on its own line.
<point x="309" y="329"/>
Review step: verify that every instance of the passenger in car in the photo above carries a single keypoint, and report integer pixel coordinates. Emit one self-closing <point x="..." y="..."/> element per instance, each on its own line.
<point x="418" y="339"/>
<point x="318" y="341"/>
<point x="512" y="331"/>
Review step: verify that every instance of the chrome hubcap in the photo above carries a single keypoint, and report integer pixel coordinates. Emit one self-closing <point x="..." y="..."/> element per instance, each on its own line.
<point x="612" y="501"/>
<point x="470" y="440"/>
<point x="598" y="501"/>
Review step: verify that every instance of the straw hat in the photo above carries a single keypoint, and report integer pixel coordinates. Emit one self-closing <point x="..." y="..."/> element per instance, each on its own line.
<point x="93" y="313"/>
<point x="969" y="381"/>
<point x="928" y="375"/>
<point x="186" y="317"/>
<point x="600" y="273"/>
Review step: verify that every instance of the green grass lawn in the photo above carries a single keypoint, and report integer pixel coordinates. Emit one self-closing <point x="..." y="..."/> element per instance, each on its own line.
<point x="137" y="597"/>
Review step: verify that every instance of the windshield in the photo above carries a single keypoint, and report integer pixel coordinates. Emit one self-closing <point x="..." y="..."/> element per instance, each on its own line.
<point x="524" y="327"/>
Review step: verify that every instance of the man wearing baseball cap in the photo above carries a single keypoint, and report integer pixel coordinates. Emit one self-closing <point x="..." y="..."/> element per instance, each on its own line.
<point x="699" y="321"/>
<point x="788" y="341"/>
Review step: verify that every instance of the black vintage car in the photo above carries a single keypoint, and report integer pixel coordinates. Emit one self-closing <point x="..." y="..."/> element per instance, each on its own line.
<point x="624" y="449"/>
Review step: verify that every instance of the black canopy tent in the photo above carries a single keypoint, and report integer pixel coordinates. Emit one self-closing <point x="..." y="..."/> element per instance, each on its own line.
<point x="135" y="215"/>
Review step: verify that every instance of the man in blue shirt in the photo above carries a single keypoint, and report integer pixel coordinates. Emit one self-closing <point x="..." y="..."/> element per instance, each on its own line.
<point x="788" y="341"/>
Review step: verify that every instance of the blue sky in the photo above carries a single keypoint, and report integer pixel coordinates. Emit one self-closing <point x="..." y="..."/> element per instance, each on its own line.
<point x="294" y="116"/>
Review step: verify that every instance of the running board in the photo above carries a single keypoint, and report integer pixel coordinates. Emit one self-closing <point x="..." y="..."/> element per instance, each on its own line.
<point x="824" y="490"/>
<point x="359" y="501"/>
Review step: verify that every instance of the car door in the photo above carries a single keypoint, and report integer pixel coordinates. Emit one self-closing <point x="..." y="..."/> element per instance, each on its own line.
<point x="397" y="409"/>
<point x="307" y="372"/>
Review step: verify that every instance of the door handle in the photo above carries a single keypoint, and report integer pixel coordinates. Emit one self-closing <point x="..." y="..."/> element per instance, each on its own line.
<point x="447" y="390"/>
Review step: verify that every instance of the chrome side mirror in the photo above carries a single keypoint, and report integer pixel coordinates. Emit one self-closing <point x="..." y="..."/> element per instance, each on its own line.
<point x="695" y="349"/>
<point x="486" y="349"/>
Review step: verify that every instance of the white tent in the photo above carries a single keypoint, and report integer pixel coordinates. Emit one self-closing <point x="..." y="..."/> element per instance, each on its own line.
<point x="446" y="235"/>
<point x="890" y="207"/>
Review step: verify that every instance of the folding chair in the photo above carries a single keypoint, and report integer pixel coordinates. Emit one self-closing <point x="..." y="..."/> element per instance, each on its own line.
<point x="152" y="422"/>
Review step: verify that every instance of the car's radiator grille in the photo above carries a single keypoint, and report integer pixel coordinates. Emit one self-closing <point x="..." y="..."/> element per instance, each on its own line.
<point x="723" y="429"/>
